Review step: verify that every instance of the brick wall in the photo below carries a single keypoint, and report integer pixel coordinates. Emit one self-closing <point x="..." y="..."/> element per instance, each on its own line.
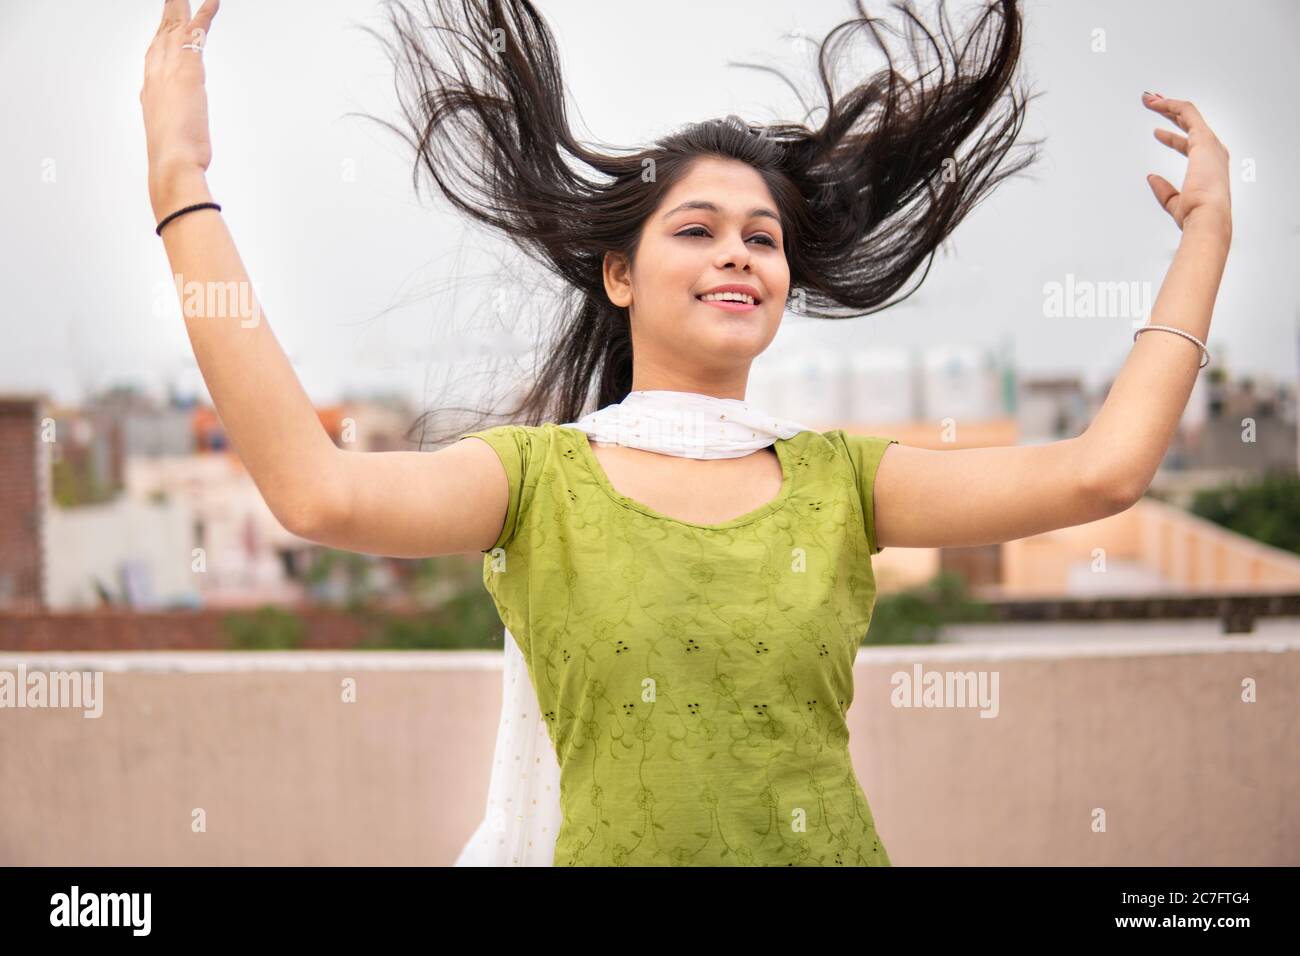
<point x="126" y="630"/>
<point x="24" y="497"/>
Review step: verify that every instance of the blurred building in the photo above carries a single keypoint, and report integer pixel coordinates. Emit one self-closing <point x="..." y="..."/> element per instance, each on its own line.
<point x="824" y="388"/>
<point x="1052" y="408"/>
<point x="144" y="504"/>
<point x="1247" y="426"/>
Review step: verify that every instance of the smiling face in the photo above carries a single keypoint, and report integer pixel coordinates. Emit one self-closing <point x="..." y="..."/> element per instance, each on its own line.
<point x="688" y="249"/>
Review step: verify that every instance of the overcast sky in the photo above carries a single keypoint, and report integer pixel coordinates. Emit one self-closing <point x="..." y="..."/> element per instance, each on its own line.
<point x="334" y="261"/>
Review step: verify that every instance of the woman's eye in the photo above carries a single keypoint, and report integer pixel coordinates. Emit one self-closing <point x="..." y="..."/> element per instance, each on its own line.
<point x="767" y="240"/>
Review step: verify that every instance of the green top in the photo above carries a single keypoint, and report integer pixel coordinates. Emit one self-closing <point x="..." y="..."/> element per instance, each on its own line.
<point x="693" y="678"/>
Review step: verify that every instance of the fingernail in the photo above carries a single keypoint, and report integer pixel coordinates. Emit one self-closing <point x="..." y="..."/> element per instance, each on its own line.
<point x="1154" y="96"/>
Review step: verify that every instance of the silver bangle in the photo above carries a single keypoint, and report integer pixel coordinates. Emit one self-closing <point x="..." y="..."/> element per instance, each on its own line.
<point x="1187" y="335"/>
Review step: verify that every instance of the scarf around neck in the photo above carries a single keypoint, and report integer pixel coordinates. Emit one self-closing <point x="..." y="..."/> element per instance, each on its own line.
<point x="686" y="424"/>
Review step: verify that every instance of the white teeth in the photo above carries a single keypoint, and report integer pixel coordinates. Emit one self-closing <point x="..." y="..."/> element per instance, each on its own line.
<point x="728" y="297"/>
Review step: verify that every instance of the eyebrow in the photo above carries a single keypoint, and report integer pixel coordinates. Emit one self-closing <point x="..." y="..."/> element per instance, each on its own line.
<point x="712" y="207"/>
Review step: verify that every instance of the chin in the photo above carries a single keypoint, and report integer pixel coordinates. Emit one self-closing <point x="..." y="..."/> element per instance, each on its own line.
<point x="732" y="341"/>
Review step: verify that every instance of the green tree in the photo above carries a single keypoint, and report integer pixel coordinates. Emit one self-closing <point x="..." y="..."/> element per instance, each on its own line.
<point x="71" y="486"/>
<point x="268" y="628"/>
<point x="916" y="615"/>
<point x="355" y="569"/>
<point x="1266" y="509"/>
<point x="466" y="621"/>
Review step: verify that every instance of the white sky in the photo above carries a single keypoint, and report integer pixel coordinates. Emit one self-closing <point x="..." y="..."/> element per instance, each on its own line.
<point x="80" y="265"/>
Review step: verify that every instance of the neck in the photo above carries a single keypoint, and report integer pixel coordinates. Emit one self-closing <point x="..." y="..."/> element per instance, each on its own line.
<point x="730" y="386"/>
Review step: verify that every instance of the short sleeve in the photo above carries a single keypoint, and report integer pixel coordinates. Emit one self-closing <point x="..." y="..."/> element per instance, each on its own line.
<point x="513" y="445"/>
<point x="865" y="452"/>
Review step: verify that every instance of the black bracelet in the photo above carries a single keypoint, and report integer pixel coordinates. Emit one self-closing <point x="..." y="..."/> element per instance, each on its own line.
<point x="181" y="212"/>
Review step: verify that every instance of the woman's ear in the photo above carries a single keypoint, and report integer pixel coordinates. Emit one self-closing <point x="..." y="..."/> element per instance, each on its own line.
<point x="618" y="279"/>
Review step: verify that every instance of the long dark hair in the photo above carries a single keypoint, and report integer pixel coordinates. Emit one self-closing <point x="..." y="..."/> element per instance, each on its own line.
<point x="865" y="197"/>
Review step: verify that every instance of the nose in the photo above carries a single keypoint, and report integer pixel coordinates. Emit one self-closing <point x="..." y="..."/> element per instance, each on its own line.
<point x="734" y="254"/>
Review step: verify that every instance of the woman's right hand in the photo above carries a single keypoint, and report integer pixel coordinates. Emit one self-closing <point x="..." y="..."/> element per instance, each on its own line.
<point x="175" y="102"/>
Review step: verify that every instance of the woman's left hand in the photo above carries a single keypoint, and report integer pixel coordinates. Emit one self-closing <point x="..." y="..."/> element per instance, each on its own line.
<point x="1204" y="195"/>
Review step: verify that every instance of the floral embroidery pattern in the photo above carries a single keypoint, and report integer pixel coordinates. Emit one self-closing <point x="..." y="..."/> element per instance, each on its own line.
<point x="694" y="679"/>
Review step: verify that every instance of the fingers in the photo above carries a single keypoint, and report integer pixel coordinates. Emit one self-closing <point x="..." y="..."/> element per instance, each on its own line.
<point x="1166" y="194"/>
<point x="178" y="27"/>
<point x="203" y="19"/>
<point x="176" y="13"/>
<point x="1172" y="140"/>
<point x="1186" y="116"/>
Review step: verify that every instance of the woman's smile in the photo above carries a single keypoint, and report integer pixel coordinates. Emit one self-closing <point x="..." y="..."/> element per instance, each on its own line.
<point x="729" y="305"/>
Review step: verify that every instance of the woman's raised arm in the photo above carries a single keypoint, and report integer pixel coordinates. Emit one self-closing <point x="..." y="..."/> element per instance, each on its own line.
<point x="973" y="496"/>
<point x="269" y="419"/>
<point x="401" y="504"/>
<point x="926" y="498"/>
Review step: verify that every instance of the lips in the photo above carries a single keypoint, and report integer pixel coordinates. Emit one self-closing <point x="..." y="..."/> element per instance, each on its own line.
<point x="729" y="305"/>
<point x="700" y="298"/>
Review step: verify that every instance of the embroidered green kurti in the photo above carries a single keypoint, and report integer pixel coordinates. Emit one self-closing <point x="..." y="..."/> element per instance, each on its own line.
<point x="693" y="678"/>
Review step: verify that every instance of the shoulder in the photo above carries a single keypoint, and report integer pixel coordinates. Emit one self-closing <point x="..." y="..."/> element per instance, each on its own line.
<point x="859" y="453"/>
<point x="521" y="437"/>
<point x="526" y="450"/>
<point x="526" y="456"/>
<point x="836" y="444"/>
<point x="517" y="432"/>
<point x="854" y="445"/>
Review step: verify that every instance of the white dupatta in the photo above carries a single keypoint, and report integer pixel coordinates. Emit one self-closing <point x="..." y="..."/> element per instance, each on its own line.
<point x="523" y="811"/>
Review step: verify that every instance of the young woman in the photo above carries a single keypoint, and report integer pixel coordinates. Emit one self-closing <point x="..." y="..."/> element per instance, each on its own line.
<point x="686" y="576"/>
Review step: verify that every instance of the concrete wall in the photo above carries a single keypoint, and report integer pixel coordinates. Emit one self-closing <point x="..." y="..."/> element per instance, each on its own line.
<point x="1189" y="553"/>
<point x="1155" y="734"/>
